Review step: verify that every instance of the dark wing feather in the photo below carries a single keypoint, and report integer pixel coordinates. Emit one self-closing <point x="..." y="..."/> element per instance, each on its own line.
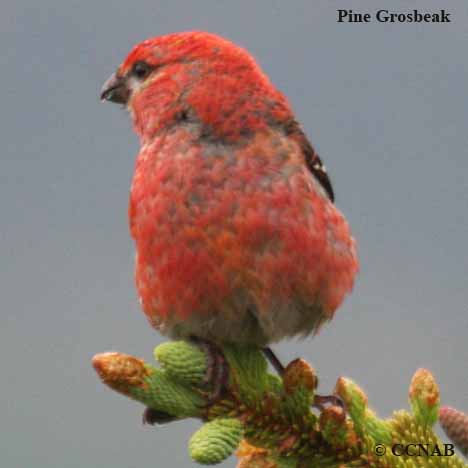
<point x="312" y="159"/>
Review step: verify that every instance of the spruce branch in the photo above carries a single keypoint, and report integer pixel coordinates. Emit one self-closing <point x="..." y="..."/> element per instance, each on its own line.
<point x="269" y="421"/>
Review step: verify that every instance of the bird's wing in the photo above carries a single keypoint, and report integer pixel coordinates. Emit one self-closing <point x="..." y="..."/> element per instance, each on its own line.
<point x="312" y="159"/>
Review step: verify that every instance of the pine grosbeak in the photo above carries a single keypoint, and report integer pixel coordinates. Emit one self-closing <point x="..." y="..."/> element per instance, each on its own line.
<point x="237" y="237"/>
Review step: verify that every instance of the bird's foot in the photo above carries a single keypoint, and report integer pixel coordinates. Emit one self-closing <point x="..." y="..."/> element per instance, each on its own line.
<point x="217" y="371"/>
<point x="320" y="401"/>
<point x="216" y="380"/>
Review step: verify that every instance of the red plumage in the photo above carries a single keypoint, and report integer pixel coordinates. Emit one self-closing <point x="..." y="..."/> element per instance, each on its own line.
<point x="231" y="210"/>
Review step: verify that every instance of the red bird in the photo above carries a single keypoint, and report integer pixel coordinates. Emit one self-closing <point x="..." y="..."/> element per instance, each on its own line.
<point x="231" y="210"/>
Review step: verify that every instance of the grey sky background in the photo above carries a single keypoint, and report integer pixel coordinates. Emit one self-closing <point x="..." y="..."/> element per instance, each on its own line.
<point x="385" y="105"/>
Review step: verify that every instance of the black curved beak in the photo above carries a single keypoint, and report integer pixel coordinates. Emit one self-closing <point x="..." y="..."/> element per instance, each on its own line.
<point x="115" y="90"/>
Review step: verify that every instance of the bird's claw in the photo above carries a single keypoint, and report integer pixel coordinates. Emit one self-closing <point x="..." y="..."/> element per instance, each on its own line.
<point x="320" y="401"/>
<point x="217" y="371"/>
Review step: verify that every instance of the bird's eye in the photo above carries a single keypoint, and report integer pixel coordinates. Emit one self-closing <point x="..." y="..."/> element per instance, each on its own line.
<point x="141" y="70"/>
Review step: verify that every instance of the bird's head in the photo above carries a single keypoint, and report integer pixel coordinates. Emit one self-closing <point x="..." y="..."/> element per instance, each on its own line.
<point x="198" y="78"/>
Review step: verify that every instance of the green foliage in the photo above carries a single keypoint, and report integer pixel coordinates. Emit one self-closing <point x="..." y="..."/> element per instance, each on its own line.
<point x="215" y="441"/>
<point x="270" y="420"/>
